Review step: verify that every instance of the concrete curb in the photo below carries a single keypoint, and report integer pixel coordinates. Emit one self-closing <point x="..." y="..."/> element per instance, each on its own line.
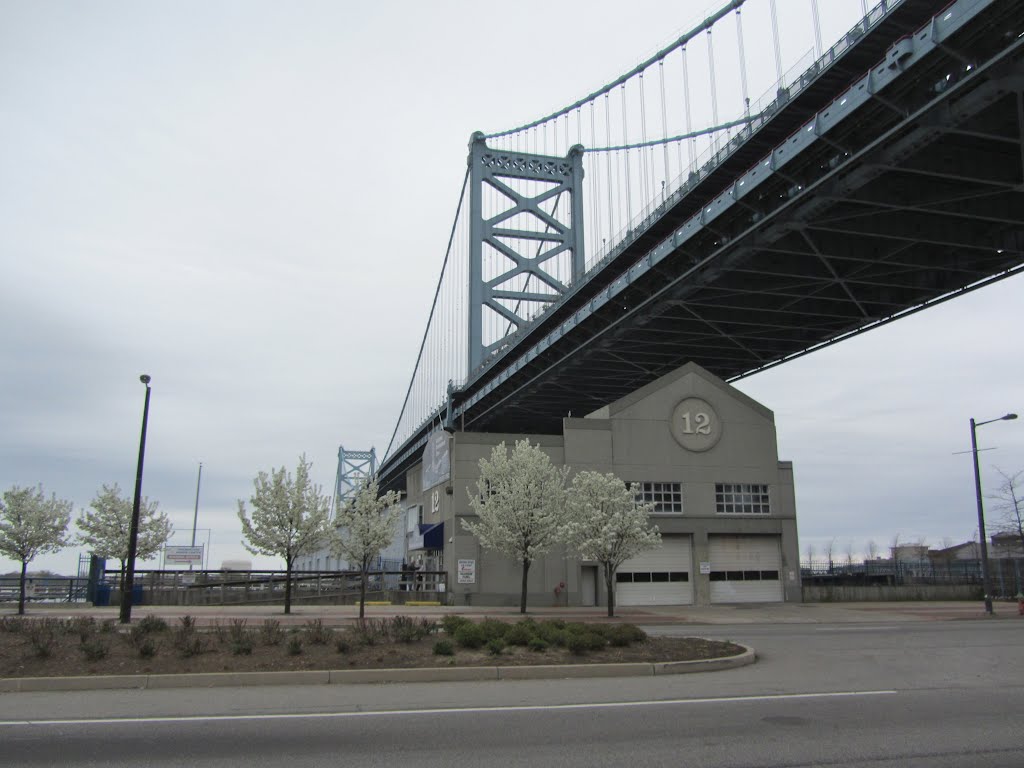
<point x="360" y="676"/>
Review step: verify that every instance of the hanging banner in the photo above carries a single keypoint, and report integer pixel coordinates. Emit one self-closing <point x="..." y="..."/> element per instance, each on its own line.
<point x="436" y="461"/>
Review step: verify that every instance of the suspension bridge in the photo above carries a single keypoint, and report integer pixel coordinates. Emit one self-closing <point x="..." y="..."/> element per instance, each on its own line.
<point x="674" y="215"/>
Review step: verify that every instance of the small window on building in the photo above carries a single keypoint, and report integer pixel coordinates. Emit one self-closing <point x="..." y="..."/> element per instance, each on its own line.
<point x="666" y="497"/>
<point x="741" y="499"/>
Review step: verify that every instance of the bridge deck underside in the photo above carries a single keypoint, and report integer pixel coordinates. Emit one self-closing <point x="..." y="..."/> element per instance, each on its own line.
<point x="917" y="197"/>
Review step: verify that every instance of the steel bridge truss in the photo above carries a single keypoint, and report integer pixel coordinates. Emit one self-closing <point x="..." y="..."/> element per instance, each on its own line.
<point x="531" y="237"/>
<point x="906" y="191"/>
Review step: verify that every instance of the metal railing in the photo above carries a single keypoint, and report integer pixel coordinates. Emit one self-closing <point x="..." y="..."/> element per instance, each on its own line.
<point x="49" y="589"/>
<point x="1007" y="574"/>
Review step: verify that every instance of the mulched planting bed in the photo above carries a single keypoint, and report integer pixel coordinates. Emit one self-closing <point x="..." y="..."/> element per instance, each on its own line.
<point x="33" y="647"/>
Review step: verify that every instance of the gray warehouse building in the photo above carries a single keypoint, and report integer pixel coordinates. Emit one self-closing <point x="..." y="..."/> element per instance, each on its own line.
<point x="701" y="450"/>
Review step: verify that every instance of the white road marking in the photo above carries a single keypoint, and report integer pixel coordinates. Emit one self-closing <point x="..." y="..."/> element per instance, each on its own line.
<point x="443" y="711"/>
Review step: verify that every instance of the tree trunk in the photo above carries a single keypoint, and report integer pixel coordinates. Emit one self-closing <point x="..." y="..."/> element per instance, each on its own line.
<point x="522" y="598"/>
<point x="609" y="583"/>
<point x="362" y="590"/>
<point x="21" y="589"/>
<point x="124" y="572"/>
<point x="288" y="585"/>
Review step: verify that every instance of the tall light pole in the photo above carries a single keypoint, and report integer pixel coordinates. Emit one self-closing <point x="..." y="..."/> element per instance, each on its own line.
<point x="986" y="583"/>
<point x="133" y="532"/>
<point x="195" y="515"/>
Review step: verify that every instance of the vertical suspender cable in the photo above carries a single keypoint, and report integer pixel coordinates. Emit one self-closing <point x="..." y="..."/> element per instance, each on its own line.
<point x="594" y="185"/>
<point x="743" y="66"/>
<point x="608" y="163"/>
<point x="625" y="140"/>
<point x="775" y="43"/>
<point x="644" y="175"/>
<point x="864" y="7"/>
<point x="664" y="120"/>
<point x="817" y="29"/>
<point x="691" y="152"/>
<point x="714" y="88"/>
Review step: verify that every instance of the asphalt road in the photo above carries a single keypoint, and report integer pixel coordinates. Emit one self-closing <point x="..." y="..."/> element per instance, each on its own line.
<point x="926" y="694"/>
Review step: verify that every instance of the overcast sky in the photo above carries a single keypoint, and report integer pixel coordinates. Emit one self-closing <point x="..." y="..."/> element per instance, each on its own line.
<point x="250" y="201"/>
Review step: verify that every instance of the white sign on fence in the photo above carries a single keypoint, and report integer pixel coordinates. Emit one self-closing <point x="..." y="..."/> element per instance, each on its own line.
<point x="184" y="555"/>
<point x="467" y="571"/>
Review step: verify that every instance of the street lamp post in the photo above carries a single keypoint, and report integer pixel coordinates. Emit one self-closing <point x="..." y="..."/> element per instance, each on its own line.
<point x="133" y="533"/>
<point x="986" y="582"/>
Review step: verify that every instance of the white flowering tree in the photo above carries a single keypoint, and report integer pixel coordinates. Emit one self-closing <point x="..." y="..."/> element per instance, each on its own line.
<point x="608" y="525"/>
<point x="105" y="528"/>
<point x="365" y="525"/>
<point x="30" y="525"/>
<point x="520" y="505"/>
<point x="289" y="518"/>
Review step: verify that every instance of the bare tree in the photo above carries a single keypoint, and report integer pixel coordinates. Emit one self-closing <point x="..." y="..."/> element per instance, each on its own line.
<point x="1009" y="498"/>
<point x="872" y="549"/>
<point x="849" y="555"/>
<point x="829" y="549"/>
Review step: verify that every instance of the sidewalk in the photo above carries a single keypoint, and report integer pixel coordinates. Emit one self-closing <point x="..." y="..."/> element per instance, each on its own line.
<point x="763" y="613"/>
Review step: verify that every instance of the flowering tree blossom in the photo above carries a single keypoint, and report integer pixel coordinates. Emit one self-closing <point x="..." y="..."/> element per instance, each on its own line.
<point x="365" y="526"/>
<point x="30" y="525"/>
<point x="106" y="527"/>
<point x="520" y="504"/>
<point x="608" y="525"/>
<point x="289" y="518"/>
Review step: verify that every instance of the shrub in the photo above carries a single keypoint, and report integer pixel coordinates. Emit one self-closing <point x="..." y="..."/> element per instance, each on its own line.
<point x="552" y="632"/>
<point x="538" y="645"/>
<point x="186" y="639"/>
<point x="271" y="632"/>
<point x="152" y="624"/>
<point x="342" y="644"/>
<point x="11" y="624"/>
<point x="451" y="623"/>
<point x="624" y="635"/>
<point x="42" y="636"/>
<point x="147" y="647"/>
<point x="495" y="646"/>
<point x="470" y="636"/>
<point x="404" y="629"/>
<point x="444" y="648"/>
<point x="492" y="628"/>
<point x="107" y="626"/>
<point x="242" y="646"/>
<point x="519" y="634"/>
<point x="219" y="631"/>
<point x="579" y="643"/>
<point x="294" y="645"/>
<point x="83" y="626"/>
<point x="94" y="650"/>
<point x="317" y="633"/>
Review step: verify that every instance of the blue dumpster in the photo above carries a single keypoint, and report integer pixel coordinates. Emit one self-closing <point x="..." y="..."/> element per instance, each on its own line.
<point x="102" y="594"/>
<point x="137" y="594"/>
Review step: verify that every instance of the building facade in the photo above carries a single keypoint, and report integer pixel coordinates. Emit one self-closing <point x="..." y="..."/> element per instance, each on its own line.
<point x="702" y="451"/>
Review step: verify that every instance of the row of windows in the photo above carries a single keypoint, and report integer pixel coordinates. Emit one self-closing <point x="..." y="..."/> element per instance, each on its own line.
<point x="642" y="577"/>
<point x="741" y="499"/>
<point x="666" y="497"/>
<point x="730" y="498"/>
<point x="744" y="576"/>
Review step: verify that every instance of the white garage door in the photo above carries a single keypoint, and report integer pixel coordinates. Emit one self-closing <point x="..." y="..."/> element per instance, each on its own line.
<point x="657" y="577"/>
<point x="745" y="569"/>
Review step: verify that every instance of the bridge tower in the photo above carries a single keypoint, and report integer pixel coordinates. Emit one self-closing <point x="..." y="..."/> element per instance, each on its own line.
<point x="354" y="467"/>
<point x="525" y="239"/>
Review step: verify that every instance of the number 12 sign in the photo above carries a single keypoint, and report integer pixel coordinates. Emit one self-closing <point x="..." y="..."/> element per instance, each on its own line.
<point x="695" y="424"/>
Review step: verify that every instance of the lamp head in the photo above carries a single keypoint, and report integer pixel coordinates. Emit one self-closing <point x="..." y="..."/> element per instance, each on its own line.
<point x="144" y="378"/>
<point x="1009" y="417"/>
